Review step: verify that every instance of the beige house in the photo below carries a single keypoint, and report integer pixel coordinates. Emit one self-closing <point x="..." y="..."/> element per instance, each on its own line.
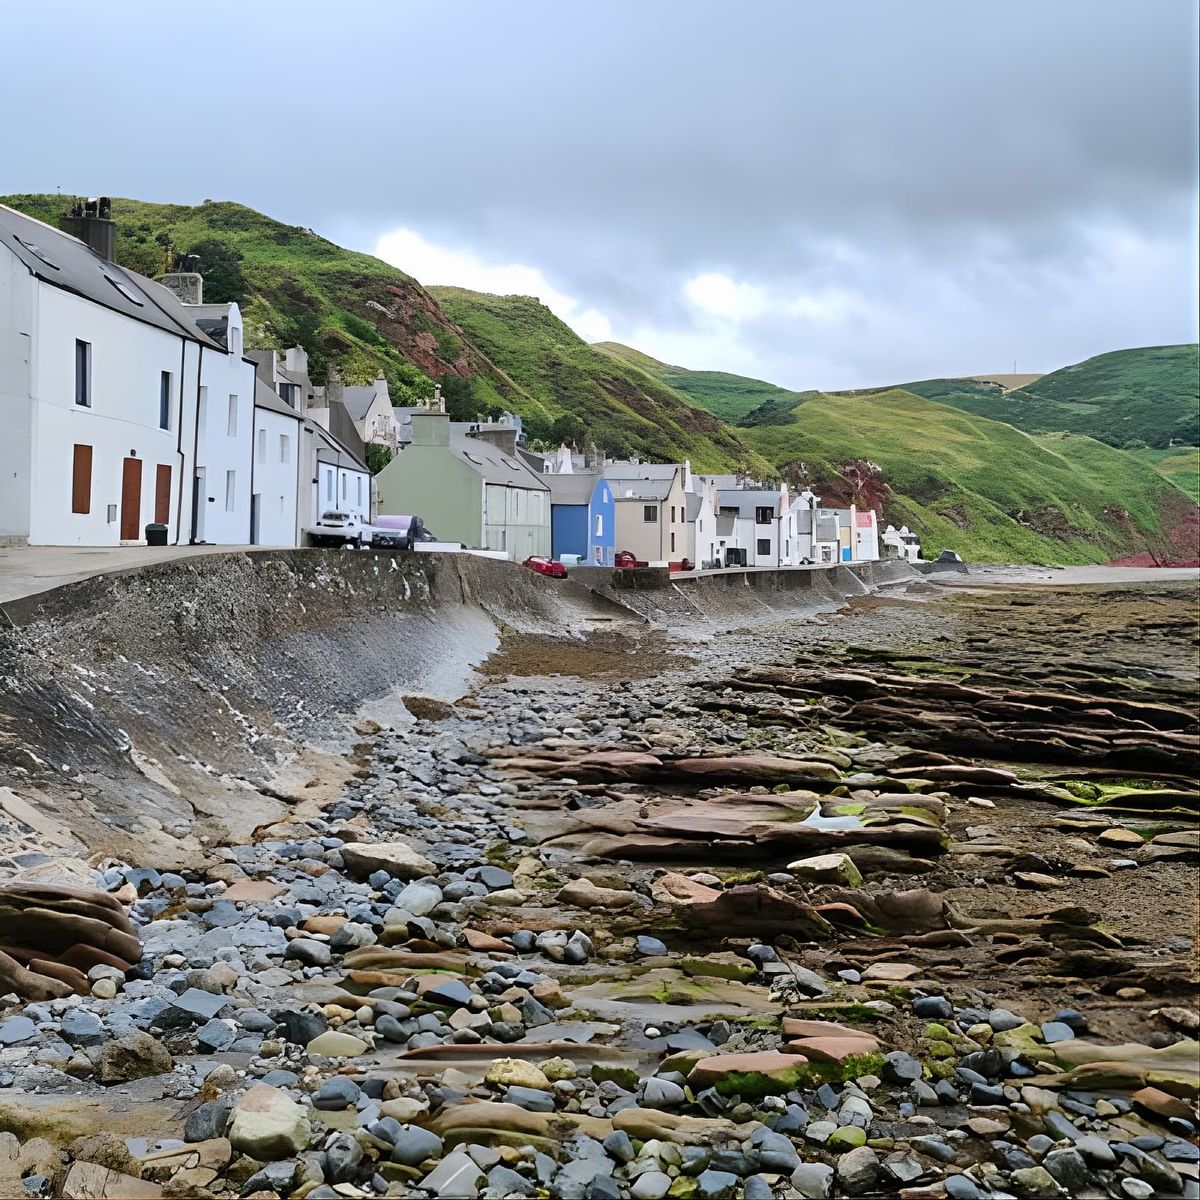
<point x="370" y="408"/>
<point x="651" y="511"/>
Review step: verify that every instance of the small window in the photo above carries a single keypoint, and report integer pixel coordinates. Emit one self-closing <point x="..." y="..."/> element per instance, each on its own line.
<point x="164" y="400"/>
<point x="599" y="524"/>
<point x="81" y="479"/>
<point x="358" y="492"/>
<point x="650" y="513"/>
<point x="285" y="448"/>
<point x="128" y="293"/>
<point x="83" y="374"/>
<point x="235" y="341"/>
<point x="764" y="545"/>
<point x="764" y="515"/>
<point x="672" y="541"/>
<point x="38" y="253"/>
<point x="230" y="490"/>
<point x="672" y="514"/>
<point x="231" y="420"/>
<point x="345" y="485"/>
<point x="329" y="485"/>
<point x="262" y="445"/>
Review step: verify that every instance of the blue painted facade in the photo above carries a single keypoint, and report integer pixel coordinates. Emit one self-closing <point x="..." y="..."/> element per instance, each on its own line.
<point x="585" y="529"/>
<point x="569" y="530"/>
<point x="602" y="517"/>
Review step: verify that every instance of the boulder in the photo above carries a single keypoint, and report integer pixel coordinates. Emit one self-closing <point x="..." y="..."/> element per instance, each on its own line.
<point x="90" y="1181"/>
<point x="827" y="868"/>
<point x="397" y="859"/>
<point x="268" y="1125"/>
<point x="137" y="1055"/>
<point x="758" y="1073"/>
<point x="583" y="893"/>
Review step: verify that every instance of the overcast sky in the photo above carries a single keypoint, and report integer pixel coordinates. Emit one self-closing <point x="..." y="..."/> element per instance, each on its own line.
<point x="824" y="195"/>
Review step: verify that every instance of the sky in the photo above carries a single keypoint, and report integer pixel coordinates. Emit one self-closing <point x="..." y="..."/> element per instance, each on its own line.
<point x="823" y="195"/>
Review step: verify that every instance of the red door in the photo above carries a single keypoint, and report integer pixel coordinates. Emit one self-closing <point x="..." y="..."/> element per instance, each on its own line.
<point x="131" y="499"/>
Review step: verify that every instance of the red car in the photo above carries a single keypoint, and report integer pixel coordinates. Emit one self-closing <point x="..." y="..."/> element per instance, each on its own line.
<point x="626" y="558"/>
<point x="545" y="566"/>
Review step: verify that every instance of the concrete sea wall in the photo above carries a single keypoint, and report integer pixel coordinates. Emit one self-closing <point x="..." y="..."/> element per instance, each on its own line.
<point x="151" y="713"/>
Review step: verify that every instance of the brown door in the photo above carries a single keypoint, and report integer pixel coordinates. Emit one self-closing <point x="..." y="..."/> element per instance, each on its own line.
<point x="131" y="499"/>
<point x="162" y="494"/>
<point x="81" y="479"/>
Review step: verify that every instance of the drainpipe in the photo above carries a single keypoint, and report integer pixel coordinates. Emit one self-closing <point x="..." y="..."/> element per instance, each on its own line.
<point x="179" y="443"/>
<point x="196" y="444"/>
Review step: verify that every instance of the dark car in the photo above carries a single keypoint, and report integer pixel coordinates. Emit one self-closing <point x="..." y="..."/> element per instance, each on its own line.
<point x="545" y="566"/>
<point x="399" y="533"/>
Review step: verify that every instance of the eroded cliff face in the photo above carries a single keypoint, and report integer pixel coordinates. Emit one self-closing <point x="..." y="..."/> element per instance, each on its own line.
<point x="194" y="702"/>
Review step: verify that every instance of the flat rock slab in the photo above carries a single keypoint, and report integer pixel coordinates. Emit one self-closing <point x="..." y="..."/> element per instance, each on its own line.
<point x="765" y="1067"/>
<point x="90" y="1181"/>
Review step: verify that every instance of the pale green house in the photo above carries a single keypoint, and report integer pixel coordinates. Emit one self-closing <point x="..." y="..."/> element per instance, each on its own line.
<point x="468" y="485"/>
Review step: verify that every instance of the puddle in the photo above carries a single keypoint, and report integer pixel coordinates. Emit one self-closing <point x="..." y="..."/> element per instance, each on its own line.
<point x="816" y="820"/>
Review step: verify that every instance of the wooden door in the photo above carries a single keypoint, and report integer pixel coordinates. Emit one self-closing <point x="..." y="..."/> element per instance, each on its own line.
<point x="162" y="494"/>
<point x="131" y="499"/>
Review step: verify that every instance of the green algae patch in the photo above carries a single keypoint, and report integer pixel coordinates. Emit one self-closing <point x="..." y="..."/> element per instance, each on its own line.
<point x="720" y="967"/>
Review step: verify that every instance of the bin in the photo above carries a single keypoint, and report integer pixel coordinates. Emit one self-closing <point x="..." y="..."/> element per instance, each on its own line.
<point x="156" y="535"/>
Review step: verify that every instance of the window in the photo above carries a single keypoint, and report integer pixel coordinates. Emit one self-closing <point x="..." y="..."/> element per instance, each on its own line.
<point x="345" y="485"/>
<point x="83" y="373"/>
<point x="672" y="541"/>
<point x="262" y="445"/>
<point x="235" y="341"/>
<point x="231" y="420"/>
<point x="164" y="400"/>
<point x="764" y="515"/>
<point x="329" y="485"/>
<point x="230" y="490"/>
<point x="764" y="545"/>
<point x="672" y="514"/>
<point x="285" y="448"/>
<point x="599" y="524"/>
<point x="358" y="482"/>
<point x="650" y="513"/>
<point x="289" y="393"/>
<point x="81" y="480"/>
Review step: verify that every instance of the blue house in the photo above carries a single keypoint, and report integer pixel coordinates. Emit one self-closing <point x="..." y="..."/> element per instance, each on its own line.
<point x="581" y="517"/>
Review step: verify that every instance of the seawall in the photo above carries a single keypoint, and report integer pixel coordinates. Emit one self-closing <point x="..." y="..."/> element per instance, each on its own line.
<point x="154" y="712"/>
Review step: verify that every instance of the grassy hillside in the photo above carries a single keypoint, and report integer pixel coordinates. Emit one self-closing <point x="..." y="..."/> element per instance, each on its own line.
<point x="730" y="397"/>
<point x="585" y="391"/>
<point x="1179" y="464"/>
<point x="978" y="486"/>
<point x="1130" y="398"/>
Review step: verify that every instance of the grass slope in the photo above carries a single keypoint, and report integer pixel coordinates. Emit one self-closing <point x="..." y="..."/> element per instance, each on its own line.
<point x="1179" y="464"/>
<point x="730" y="397"/>
<point x="625" y="408"/>
<point x="1131" y="398"/>
<point x="981" y="487"/>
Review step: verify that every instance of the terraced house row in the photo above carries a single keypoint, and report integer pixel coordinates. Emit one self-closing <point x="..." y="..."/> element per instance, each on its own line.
<point x="132" y="412"/>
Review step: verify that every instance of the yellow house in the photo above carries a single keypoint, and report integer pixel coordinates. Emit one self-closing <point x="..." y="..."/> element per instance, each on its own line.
<point x="651" y="509"/>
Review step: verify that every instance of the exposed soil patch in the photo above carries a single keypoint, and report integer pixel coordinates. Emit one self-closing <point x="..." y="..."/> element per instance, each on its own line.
<point x="605" y="654"/>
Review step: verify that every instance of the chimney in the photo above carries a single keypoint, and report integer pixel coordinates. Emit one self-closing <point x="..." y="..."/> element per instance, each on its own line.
<point x="91" y="222"/>
<point x="504" y="438"/>
<point x="430" y="428"/>
<point x="188" y="286"/>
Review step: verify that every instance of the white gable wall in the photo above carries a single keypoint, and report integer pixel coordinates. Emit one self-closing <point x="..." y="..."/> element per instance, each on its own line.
<point x="277" y="452"/>
<point x="16" y="339"/>
<point x="127" y="358"/>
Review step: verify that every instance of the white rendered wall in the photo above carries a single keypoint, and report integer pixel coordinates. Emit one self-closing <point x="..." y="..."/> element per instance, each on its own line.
<point x="122" y="421"/>
<point x="277" y="450"/>
<point x="16" y="341"/>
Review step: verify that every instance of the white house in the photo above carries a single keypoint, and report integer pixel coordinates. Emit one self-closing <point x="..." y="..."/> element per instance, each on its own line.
<point x="370" y="408"/>
<point x="100" y="377"/>
<point x="755" y="527"/>
<point x="275" y="487"/>
<point x="900" y="543"/>
<point x="223" y="445"/>
<point x="341" y="482"/>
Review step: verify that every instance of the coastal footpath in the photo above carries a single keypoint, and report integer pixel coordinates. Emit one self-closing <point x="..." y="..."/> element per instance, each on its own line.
<point x="427" y="876"/>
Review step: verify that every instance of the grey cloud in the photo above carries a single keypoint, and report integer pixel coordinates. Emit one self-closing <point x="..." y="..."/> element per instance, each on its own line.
<point x="622" y="147"/>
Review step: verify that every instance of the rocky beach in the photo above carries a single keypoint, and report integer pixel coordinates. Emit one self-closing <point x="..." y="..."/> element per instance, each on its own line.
<point x="886" y="897"/>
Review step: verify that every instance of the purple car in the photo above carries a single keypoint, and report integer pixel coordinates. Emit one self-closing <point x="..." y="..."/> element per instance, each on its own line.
<point x="399" y="533"/>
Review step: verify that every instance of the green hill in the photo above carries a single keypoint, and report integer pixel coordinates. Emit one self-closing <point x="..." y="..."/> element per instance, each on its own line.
<point x="981" y="487"/>
<point x="1130" y="398"/>
<point x="587" y="392"/>
<point x="730" y="397"/>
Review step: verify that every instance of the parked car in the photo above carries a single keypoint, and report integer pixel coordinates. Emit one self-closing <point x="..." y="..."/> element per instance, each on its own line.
<point x="336" y="528"/>
<point x="545" y="566"/>
<point x="626" y="558"/>
<point x="399" y="533"/>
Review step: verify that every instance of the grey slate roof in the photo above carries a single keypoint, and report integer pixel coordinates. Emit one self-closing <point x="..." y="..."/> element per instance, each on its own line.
<point x="65" y="262"/>
<point x="358" y="399"/>
<point x="493" y="465"/>
<point x="329" y="449"/>
<point x="639" y="489"/>
<point x="626" y="470"/>
<point x="746" y="500"/>
<point x="571" y="489"/>
<point x="264" y="397"/>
